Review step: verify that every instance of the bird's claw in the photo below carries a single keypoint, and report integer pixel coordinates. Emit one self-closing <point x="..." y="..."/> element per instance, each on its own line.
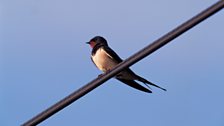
<point x="100" y="75"/>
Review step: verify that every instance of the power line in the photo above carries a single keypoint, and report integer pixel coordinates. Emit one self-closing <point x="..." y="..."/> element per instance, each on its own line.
<point x="126" y="63"/>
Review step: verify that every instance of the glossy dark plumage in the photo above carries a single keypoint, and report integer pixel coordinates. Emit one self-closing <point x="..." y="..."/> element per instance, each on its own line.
<point x="105" y="59"/>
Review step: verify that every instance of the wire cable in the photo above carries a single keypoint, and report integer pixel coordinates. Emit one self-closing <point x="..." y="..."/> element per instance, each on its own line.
<point x="126" y="63"/>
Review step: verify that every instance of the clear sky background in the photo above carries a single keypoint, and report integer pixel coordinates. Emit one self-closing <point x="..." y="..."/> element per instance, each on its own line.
<point x="43" y="58"/>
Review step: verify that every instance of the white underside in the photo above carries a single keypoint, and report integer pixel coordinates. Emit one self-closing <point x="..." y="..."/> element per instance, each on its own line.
<point x="103" y="60"/>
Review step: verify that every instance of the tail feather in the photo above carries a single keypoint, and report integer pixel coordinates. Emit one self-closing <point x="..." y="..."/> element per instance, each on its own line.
<point x="148" y="82"/>
<point x="135" y="85"/>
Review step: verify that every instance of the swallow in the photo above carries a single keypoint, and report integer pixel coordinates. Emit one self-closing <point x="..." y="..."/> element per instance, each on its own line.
<point x="106" y="59"/>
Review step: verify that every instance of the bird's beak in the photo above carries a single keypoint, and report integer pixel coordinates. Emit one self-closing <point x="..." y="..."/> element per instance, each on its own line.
<point x="87" y="42"/>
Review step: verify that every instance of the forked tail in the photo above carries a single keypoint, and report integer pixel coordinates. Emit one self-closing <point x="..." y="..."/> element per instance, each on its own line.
<point x="150" y="83"/>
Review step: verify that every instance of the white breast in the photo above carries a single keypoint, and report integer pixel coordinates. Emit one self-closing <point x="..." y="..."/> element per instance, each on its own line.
<point x="103" y="60"/>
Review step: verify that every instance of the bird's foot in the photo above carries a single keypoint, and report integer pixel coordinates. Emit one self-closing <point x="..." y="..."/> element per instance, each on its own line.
<point x="100" y="75"/>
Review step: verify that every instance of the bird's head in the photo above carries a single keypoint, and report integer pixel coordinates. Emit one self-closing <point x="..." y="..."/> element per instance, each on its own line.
<point x="98" y="40"/>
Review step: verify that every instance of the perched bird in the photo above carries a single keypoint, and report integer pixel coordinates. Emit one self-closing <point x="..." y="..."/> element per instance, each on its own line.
<point x="105" y="59"/>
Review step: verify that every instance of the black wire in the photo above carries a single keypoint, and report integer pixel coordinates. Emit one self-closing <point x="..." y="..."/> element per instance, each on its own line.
<point x="126" y="63"/>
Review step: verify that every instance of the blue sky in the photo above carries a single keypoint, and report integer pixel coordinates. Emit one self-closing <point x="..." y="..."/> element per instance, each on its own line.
<point x="43" y="58"/>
